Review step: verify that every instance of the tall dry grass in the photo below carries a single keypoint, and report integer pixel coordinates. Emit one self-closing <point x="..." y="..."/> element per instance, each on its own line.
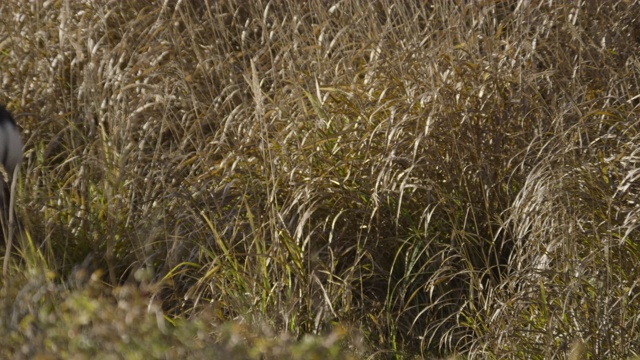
<point x="450" y="176"/>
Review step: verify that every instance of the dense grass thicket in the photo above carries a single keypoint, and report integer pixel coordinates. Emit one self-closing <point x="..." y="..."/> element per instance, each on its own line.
<point x="324" y="179"/>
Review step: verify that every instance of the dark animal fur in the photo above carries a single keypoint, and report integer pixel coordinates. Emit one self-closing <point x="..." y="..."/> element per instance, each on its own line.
<point x="10" y="157"/>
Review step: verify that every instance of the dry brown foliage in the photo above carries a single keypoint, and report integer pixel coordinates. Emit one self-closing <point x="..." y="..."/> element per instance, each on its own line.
<point x="445" y="176"/>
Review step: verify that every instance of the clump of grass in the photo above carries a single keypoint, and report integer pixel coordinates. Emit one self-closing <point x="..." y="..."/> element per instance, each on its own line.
<point x="443" y="177"/>
<point x="90" y="320"/>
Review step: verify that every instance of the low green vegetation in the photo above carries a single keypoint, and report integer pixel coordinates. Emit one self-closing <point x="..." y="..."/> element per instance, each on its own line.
<point x="324" y="179"/>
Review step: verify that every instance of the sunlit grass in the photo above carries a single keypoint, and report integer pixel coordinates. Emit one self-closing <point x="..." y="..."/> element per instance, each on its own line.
<point x="331" y="179"/>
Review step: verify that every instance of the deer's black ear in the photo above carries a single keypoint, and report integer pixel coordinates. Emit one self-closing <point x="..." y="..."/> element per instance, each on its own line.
<point x="5" y="116"/>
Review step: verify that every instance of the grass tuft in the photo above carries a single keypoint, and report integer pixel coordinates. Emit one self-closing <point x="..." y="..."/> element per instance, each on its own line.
<point x="324" y="179"/>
